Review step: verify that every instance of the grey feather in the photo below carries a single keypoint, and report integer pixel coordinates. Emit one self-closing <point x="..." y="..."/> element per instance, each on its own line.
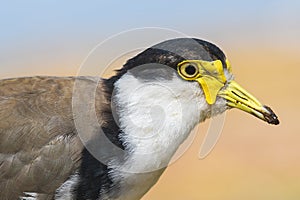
<point x="39" y="145"/>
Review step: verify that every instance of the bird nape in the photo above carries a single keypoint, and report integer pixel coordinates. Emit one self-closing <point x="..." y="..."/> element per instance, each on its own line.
<point x="92" y="138"/>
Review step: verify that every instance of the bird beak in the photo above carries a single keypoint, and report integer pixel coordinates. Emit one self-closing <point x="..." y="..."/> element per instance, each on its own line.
<point x="238" y="97"/>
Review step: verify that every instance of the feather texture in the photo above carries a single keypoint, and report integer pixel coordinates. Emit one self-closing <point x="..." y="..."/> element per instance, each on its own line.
<point x="39" y="145"/>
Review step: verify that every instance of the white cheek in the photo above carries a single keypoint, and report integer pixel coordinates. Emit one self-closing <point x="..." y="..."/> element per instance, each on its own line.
<point x="152" y="109"/>
<point x="156" y="117"/>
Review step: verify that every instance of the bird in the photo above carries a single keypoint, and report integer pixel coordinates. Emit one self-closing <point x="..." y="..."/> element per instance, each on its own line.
<point x="93" y="138"/>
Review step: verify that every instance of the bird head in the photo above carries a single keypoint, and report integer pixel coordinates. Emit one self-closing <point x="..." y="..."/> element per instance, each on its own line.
<point x="201" y="64"/>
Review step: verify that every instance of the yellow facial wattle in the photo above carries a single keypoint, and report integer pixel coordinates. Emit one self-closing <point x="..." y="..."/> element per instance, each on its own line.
<point x="209" y="74"/>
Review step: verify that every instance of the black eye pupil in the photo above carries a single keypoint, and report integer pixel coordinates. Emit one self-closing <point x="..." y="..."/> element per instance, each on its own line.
<point x="190" y="70"/>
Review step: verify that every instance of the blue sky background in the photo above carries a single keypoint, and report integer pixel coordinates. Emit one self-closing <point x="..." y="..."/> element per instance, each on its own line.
<point x="38" y="20"/>
<point x="35" y="32"/>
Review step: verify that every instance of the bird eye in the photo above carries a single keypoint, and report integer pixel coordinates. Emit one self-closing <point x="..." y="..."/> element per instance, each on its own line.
<point x="189" y="70"/>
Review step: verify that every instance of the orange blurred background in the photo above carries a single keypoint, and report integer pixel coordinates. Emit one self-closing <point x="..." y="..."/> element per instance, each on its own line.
<point x="252" y="160"/>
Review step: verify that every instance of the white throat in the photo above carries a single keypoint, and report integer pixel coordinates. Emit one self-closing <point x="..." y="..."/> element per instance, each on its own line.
<point x="156" y="117"/>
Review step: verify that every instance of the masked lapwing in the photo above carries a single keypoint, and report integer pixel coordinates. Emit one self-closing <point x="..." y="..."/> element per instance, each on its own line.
<point x="88" y="138"/>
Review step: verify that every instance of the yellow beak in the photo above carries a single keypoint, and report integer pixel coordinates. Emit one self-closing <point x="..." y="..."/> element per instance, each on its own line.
<point x="238" y="97"/>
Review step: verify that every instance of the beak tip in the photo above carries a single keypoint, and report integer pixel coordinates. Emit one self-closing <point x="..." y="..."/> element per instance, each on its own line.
<point x="270" y="116"/>
<point x="274" y="122"/>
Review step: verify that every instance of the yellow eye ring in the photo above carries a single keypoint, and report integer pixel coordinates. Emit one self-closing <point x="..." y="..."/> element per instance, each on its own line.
<point x="188" y="70"/>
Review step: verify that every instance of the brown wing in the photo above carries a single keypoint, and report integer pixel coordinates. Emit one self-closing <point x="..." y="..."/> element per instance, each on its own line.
<point x="39" y="146"/>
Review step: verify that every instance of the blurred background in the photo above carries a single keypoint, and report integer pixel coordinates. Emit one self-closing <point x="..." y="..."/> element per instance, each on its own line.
<point x="252" y="160"/>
